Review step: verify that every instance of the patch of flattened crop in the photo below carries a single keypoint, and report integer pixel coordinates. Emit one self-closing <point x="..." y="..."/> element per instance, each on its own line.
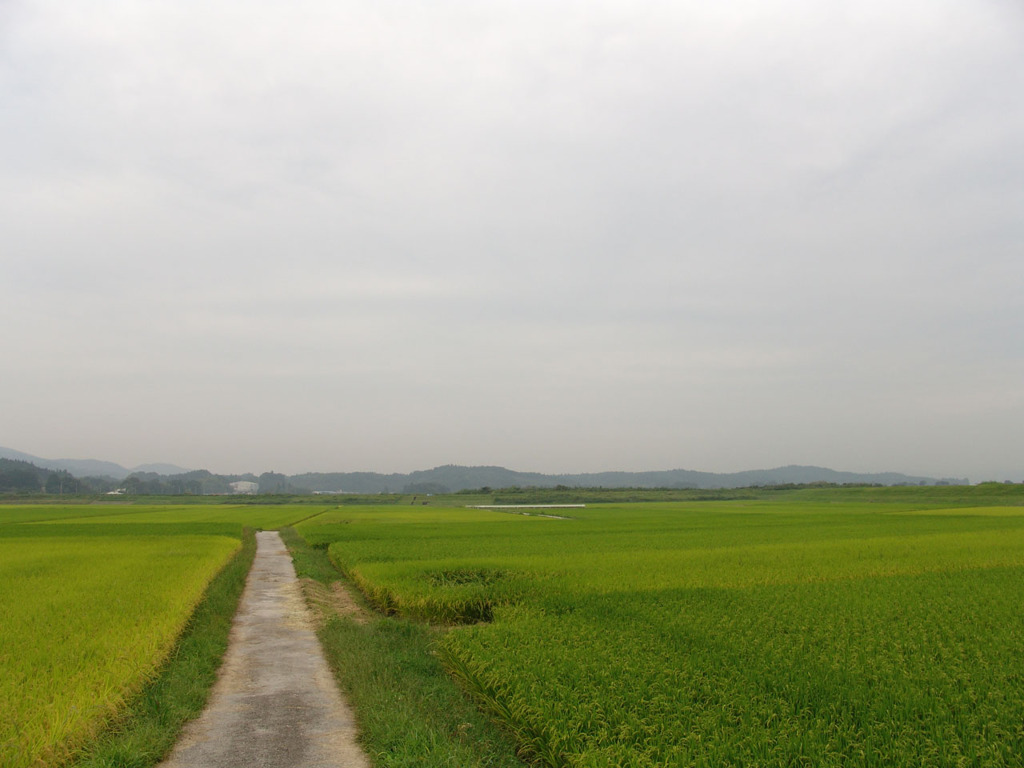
<point x="458" y="577"/>
<point x="466" y="595"/>
<point x="333" y="600"/>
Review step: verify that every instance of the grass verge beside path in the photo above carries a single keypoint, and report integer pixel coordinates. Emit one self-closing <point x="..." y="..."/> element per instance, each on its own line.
<point x="410" y="711"/>
<point x="153" y="721"/>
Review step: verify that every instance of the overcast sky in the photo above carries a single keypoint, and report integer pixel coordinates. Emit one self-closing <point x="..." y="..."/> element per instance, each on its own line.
<point x="335" y="235"/>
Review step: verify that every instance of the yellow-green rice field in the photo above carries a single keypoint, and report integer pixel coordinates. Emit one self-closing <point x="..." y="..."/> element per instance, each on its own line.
<point x="92" y="599"/>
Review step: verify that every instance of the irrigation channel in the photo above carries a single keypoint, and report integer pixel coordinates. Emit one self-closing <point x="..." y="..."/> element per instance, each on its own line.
<point x="275" y="704"/>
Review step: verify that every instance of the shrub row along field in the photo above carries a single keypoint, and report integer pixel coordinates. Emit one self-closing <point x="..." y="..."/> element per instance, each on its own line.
<point x="89" y="609"/>
<point x="804" y="631"/>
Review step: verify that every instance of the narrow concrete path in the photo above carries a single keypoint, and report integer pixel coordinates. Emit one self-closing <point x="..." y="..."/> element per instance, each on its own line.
<point x="275" y="704"/>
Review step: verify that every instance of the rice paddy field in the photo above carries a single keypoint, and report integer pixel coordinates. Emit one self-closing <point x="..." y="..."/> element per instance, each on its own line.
<point x="92" y="599"/>
<point x="852" y="627"/>
<point x="862" y="628"/>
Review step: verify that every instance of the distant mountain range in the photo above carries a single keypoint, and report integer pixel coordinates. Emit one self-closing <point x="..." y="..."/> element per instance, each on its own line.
<point x="90" y="467"/>
<point x="455" y="478"/>
<point x="452" y="478"/>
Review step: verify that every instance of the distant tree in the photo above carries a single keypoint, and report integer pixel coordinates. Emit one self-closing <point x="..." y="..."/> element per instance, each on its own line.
<point x="427" y="488"/>
<point x="274" y="482"/>
<point x="21" y="476"/>
<point x="61" y="482"/>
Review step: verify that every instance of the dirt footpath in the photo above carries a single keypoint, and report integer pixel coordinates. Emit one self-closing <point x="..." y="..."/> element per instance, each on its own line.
<point x="275" y="704"/>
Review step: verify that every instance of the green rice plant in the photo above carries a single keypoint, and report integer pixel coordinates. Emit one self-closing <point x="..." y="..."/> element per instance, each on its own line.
<point x="151" y="721"/>
<point x="835" y="632"/>
<point x="410" y="712"/>
<point x="885" y="671"/>
<point x="251" y="515"/>
<point x="447" y="592"/>
<point x="12" y="514"/>
<point x="84" y="623"/>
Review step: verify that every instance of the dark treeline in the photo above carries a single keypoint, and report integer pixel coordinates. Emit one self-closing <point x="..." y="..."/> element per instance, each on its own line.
<point x="23" y="477"/>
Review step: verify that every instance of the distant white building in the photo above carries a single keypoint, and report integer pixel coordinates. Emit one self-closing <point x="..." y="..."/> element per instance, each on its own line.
<point x="244" y="486"/>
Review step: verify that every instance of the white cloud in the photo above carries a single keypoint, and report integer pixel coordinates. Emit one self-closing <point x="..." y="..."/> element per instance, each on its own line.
<point x="638" y="235"/>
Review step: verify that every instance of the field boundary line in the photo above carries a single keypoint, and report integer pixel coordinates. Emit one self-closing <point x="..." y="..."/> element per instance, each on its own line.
<point x="314" y="516"/>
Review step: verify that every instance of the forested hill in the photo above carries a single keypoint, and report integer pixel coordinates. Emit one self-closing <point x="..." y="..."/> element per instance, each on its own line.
<point x="89" y="467"/>
<point x="23" y="477"/>
<point x="35" y="475"/>
<point x="456" y="478"/>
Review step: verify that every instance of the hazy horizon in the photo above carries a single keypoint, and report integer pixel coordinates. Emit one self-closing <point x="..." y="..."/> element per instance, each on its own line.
<point x="170" y="469"/>
<point x="559" y="238"/>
